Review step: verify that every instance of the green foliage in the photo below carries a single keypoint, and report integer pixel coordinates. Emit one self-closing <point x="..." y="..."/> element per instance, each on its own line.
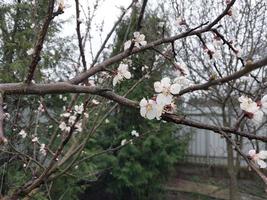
<point x="19" y="25"/>
<point x="133" y="171"/>
<point x="137" y="170"/>
<point x="143" y="168"/>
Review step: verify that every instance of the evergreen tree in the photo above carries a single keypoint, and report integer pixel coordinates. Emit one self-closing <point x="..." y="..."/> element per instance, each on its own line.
<point x="138" y="170"/>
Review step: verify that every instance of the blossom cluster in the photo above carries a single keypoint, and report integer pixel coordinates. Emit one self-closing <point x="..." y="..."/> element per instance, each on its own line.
<point x="133" y="133"/>
<point x="258" y="157"/>
<point x="254" y="110"/>
<point x="34" y="139"/>
<point x="70" y="119"/>
<point x="139" y="40"/>
<point x="122" y="72"/>
<point x="165" y="91"/>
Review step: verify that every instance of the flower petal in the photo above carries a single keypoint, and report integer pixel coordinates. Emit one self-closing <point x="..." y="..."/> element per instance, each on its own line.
<point x="143" y="111"/>
<point x="242" y="99"/>
<point x="136" y="34"/>
<point x="143" y="102"/>
<point x="165" y="82"/>
<point x="264" y="98"/>
<point x="175" y="88"/>
<point x="115" y="80"/>
<point x="143" y="43"/>
<point x="262" y="155"/>
<point x="261" y="163"/>
<point x="252" y="152"/>
<point x="123" y="68"/>
<point x="142" y="37"/>
<point x="151" y="114"/>
<point x="136" y="44"/>
<point x="163" y="99"/>
<point x="127" y="44"/>
<point x="159" y="110"/>
<point x="127" y="75"/>
<point x="158" y="87"/>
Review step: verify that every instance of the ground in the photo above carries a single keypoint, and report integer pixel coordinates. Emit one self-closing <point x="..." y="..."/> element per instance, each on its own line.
<point x="202" y="182"/>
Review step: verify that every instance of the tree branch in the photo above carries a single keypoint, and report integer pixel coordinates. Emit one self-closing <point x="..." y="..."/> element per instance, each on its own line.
<point x="40" y="41"/>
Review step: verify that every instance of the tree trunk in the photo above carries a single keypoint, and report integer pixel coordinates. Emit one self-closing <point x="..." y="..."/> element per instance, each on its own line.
<point x="233" y="186"/>
<point x="231" y="168"/>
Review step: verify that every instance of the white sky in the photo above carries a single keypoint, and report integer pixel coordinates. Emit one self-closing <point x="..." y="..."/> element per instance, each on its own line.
<point x="107" y="12"/>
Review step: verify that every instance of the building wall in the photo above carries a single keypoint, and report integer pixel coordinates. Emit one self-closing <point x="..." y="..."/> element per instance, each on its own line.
<point x="207" y="147"/>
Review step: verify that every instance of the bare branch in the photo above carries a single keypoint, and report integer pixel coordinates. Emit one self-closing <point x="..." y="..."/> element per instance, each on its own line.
<point x="40" y="41"/>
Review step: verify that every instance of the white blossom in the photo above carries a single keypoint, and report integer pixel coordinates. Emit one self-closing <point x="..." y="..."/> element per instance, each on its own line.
<point x="150" y="109"/>
<point x="161" y="24"/>
<point x="42" y="149"/>
<point x="91" y="82"/>
<point x="166" y="91"/>
<point x="123" y="142"/>
<point x="66" y="114"/>
<point x="30" y="51"/>
<point x="95" y="102"/>
<point x="41" y="108"/>
<point x="106" y="121"/>
<point x="258" y="157"/>
<point x="35" y="139"/>
<point x="247" y="104"/>
<point x="4" y="140"/>
<point x="252" y="108"/>
<point x="63" y="126"/>
<point x="72" y="119"/>
<point x="22" y="133"/>
<point x="122" y="72"/>
<point x="145" y="67"/>
<point x="61" y="4"/>
<point x="78" y="109"/>
<point x="127" y="44"/>
<point x="135" y="133"/>
<point x="139" y="39"/>
<point x="147" y="76"/>
<point x="78" y="127"/>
